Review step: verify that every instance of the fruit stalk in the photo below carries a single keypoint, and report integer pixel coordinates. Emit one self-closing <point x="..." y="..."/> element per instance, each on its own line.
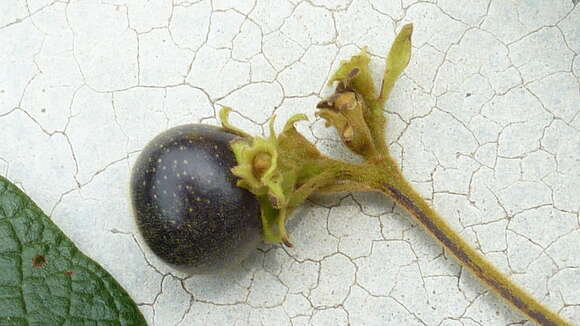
<point x="297" y="169"/>
<point x="399" y="189"/>
<point x="383" y="175"/>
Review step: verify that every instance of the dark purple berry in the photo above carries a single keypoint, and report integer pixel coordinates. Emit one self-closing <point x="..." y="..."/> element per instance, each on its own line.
<point x="186" y="203"/>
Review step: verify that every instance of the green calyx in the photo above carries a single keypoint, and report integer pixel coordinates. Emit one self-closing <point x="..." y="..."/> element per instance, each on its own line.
<point x="354" y="76"/>
<point x="345" y="110"/>
<point x="257" y="167"/>
<point x="283" y="169"/>
<point x="273" y="178"/>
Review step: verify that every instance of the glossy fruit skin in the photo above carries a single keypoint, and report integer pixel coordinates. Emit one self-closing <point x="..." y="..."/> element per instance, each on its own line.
<point x="186" y="203"/>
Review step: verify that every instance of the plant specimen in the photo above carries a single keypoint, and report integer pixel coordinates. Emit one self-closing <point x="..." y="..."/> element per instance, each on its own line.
<point x="284" y="169"/>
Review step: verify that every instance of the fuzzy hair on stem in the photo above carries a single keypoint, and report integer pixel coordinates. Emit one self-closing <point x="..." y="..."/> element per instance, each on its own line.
<point x="291" y="169"/>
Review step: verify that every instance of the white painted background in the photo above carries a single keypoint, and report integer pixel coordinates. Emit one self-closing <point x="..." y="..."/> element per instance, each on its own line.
<point x="485" y="122"/>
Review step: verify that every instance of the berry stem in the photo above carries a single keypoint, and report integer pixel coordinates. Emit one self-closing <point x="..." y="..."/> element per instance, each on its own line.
<point x="387" y="179"/>
<point x="290" y="168"/>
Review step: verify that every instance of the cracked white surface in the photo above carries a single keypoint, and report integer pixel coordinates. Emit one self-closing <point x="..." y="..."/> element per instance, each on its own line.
<point x="485" y="122"/>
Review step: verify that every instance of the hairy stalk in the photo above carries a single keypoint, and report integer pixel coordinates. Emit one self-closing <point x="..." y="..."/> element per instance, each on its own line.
<point x="402" y="192"/>
<point x="284" y="170"/>
<point x="383" y="175"/>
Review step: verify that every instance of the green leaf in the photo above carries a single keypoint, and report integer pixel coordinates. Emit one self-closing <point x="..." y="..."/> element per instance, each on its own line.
<point x="45" y="279"/>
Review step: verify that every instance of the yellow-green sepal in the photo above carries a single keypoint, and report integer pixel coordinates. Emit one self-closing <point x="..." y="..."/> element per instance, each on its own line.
<point x="354" y="75"/>
<point x="224" y="119"/>
<point x="273" y="222"/>
<point x="362" y="80"/>
<point x="272" y="168"/>
<point x="246" y="152"/>
<point x="397" y="60"/>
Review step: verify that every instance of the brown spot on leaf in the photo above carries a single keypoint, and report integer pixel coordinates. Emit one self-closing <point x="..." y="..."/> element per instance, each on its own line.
<point x="38" y="261"/>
